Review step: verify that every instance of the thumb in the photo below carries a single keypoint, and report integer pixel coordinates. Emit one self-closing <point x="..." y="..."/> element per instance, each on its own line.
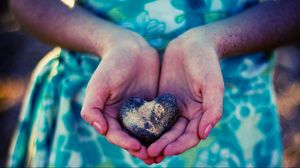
<point x="212" y="106"/>
<point x="92" y="111"/>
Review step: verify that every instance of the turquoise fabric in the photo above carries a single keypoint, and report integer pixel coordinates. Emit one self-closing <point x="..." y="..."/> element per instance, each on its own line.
<point x="52" y="133"/>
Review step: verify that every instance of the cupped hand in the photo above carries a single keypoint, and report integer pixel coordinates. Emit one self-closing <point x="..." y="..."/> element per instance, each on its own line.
<point x="129" y="67"/>
<point x="191" y="72"/>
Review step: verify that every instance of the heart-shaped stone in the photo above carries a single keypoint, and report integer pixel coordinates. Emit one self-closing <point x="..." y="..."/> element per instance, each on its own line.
<point x="147" y="121"/>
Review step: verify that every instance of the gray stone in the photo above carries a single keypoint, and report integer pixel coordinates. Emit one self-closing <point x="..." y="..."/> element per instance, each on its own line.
<point x="147" y="121"/>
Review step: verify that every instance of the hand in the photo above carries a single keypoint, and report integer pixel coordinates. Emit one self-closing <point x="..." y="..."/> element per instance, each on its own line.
<point x="191" y="72"/>
<point x="129" y="67"/>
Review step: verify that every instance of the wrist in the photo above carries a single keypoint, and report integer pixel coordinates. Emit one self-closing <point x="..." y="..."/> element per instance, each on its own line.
<point x="122" y="40"/>
<point x="105" y="36"/>
<point x="209" y="36"/>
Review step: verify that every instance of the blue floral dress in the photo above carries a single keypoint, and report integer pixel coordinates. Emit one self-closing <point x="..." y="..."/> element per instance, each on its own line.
<point x="52" y="133"/>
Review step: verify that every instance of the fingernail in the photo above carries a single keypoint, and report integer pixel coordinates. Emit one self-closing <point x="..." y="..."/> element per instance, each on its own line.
<point x="97" y="126"/>
<point x="207" y="131"/>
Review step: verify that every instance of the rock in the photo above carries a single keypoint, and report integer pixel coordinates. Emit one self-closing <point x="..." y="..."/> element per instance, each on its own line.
<point x="147" y="121"/>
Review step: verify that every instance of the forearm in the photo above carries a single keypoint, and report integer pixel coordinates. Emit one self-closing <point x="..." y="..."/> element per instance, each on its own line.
<point x="56" y="24"/>
<point x="260" y="28"/>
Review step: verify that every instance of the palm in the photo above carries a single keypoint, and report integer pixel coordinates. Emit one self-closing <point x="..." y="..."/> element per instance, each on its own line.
<point x="122" y="73"/>
<point x="193" y="75"/>
<point x="176" y="80"/>
<point x="128" y="79"/>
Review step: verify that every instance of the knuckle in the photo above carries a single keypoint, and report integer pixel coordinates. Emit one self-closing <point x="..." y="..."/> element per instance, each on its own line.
<point x="164" y="140"/>
<point x="83" y="115"/>
<point x="133" y="47"/>
<point x="175" y="42"/>
<point x="192" y="134"/>
<point x="182" y="121"/>
<point x="177" y="131"/>
<point x="130" y="143"/>
<point x="190" y="42"/>
<point x="148" y="51"/>
<point x="174" y="146"/>
<point x="174" y="45"/>
<point x="216" y="118"/>
<point x="221" y="87"/>
<point x="195" y="143"/>
<point x="213" y="77"/>
<point x="194" y="139"/>
<point x="150" y="55"/>
<point x="219" y="116"/>
<point x="213" y="81"/>
<point x="110" y="140"/>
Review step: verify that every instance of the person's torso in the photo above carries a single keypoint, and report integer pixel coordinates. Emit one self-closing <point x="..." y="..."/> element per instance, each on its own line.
<point x="160" y="21"/>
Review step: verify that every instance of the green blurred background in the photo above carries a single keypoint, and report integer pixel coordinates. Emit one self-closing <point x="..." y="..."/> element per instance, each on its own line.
<point x="20" y="52"/>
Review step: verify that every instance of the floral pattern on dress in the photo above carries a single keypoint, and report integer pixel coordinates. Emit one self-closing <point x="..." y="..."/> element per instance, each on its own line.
<point x="52" y="133"/>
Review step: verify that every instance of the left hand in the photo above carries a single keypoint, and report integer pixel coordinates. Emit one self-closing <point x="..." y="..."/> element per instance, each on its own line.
<point x="129" y="67"/>
<point x="191" y="72"/>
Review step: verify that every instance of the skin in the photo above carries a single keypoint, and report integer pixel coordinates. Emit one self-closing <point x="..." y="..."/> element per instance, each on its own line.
<point x="190" y="69"/>
<point x="135" y="74"/>
<point x="128" y="69"/>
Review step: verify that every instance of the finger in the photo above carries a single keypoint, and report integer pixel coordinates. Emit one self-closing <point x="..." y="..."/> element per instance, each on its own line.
<point x="95" y="117"/>
<point x="141" y="154"/>
<point x="212" y="106"/>
<point x="158" y="146"/>
<point x="159" y="159"/>
<point x="186" y="141"/>
<point x="93" y="105"/>
<point x="149" y="161"/>
<point x="117" y="136"/>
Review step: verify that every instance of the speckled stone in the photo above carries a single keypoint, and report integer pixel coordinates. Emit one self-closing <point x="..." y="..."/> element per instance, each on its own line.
<point x="147" y="121"/>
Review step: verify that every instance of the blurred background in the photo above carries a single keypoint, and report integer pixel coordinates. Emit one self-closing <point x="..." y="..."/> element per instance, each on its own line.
<point x="20" y="52"/>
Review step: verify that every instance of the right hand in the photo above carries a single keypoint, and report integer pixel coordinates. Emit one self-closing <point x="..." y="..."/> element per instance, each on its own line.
<point x="191" y="71"/>
<point x="129" y="67"/>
